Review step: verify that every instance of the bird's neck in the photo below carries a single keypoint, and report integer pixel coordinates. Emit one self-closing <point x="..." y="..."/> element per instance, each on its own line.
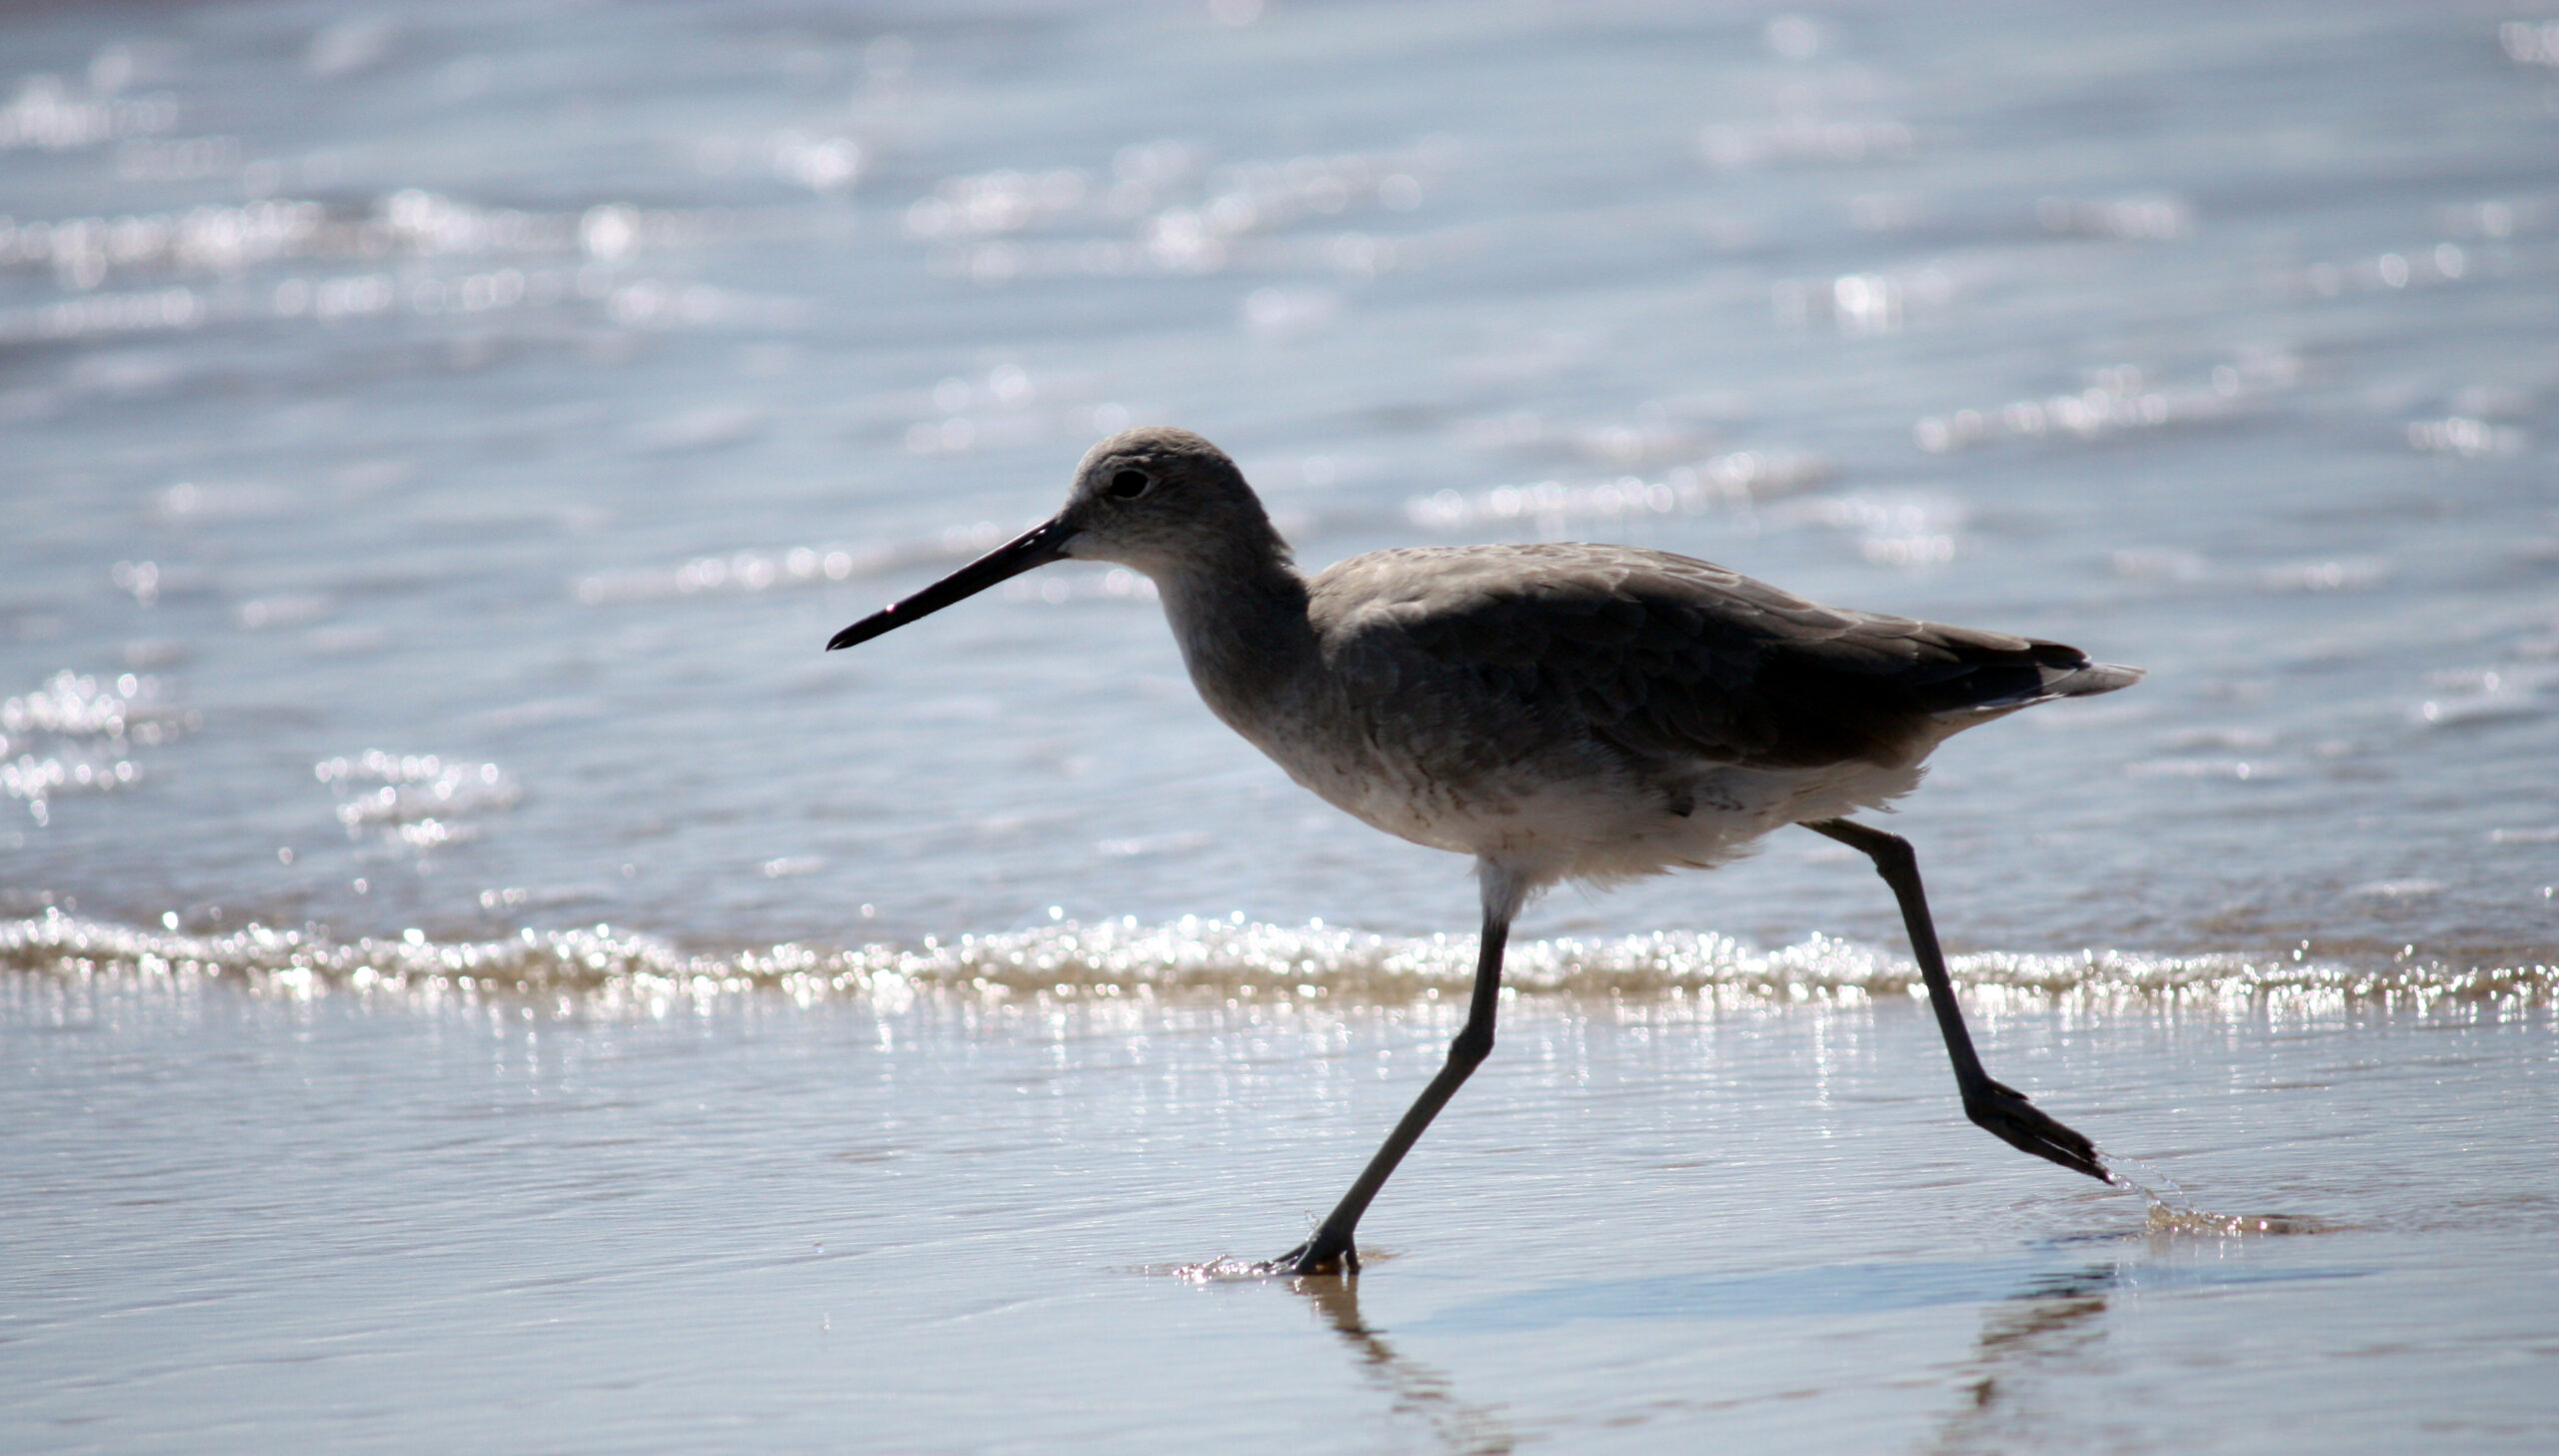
<point x="1240" y="619"/>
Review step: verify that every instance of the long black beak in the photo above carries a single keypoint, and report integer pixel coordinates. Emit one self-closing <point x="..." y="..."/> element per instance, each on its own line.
<point x="1037" y="547"/>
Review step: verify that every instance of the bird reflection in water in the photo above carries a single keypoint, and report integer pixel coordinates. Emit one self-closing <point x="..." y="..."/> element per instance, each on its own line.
<point x="1412" y="1388"/>
<point x="2046" y="1330"/>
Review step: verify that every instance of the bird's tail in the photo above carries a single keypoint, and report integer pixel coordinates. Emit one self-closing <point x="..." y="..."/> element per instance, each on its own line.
<point x="2089" y="679"/>
<point x="2006" y="677"/>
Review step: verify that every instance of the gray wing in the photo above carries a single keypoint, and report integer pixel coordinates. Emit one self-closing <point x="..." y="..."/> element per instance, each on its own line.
<point x="1666" y="656"/>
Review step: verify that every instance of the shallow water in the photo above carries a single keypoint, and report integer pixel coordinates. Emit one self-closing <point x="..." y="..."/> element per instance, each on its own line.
<point x="473" y="966"/>
<point x="250" y="1221"/>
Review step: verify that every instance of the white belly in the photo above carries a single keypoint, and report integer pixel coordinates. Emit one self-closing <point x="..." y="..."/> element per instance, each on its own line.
<point x="1549" y="822"/>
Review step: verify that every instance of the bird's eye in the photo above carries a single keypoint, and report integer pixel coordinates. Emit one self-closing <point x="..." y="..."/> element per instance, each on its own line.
<point x="1128" y="484"/>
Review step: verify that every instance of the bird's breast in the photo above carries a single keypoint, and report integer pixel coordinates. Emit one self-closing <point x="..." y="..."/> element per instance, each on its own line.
<point x="1556" y="805"/>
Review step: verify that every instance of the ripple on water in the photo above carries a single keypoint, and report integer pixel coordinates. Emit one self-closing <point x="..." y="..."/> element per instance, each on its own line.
<point x="78" y="733"/>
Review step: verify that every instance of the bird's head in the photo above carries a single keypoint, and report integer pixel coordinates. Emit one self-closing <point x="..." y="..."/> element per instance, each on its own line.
<point x="1158" y="501"/>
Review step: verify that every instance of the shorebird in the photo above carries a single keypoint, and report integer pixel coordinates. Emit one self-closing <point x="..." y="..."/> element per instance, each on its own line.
<point x="1590" y="712"/>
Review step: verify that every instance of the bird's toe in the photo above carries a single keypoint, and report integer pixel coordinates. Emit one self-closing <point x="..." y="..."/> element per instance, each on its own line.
<point x="2007" y="1115"/>
<point x="1308" y="1260"/>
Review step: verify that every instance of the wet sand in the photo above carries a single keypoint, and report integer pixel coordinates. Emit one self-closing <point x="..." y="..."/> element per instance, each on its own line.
<point x="260" y="1219"/>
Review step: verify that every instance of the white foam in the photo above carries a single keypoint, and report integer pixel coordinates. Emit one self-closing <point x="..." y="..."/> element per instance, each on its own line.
<point x="600" y="968"/>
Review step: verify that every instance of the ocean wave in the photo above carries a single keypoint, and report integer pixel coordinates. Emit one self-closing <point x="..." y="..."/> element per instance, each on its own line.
<point x="600" y="968"/>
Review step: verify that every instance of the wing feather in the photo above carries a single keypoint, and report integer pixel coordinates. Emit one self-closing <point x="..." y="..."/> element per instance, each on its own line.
<point x="1666" y="657"/>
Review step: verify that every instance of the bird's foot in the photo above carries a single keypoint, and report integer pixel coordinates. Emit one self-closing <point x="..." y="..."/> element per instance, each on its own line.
<point x="1310" y="1258"/>
<point x="2009" y="1116"/>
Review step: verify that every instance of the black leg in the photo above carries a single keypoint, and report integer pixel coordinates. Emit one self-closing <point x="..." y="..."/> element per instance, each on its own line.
<point x="2004" y="1111"/>
<point x="1330" y="1249"/>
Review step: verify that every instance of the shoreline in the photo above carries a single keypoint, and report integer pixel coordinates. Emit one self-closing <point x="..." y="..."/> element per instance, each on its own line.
<point x="1196" y="960"/>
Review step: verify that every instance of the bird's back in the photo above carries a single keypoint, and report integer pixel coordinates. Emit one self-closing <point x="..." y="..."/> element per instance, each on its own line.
<point x="1668" y="653"/>
<point x="1641" y="687"/>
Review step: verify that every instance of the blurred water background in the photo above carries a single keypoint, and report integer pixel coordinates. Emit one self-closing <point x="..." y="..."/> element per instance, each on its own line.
<point x="434" y="442"/>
